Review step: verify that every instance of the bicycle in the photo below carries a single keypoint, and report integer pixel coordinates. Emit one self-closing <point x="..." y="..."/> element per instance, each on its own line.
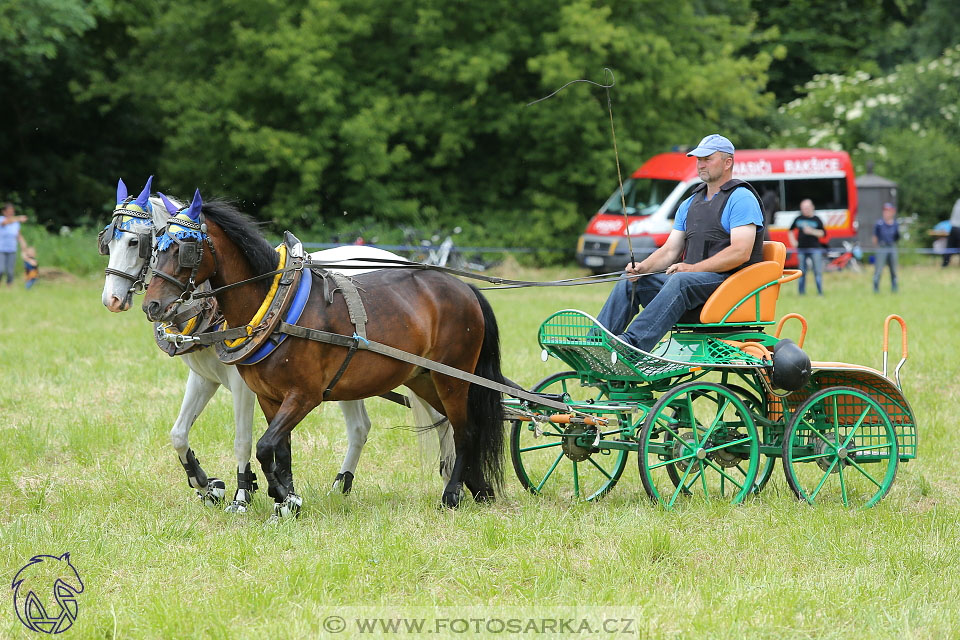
<point x="849" y="258"/>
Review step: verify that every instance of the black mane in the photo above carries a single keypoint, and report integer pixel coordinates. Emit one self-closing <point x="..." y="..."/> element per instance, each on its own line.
<point x="244" y="232"/>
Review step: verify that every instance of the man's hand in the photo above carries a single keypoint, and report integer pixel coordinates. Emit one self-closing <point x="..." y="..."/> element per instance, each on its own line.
<point x="680" y="267"/>
<point x="633" y="270"/>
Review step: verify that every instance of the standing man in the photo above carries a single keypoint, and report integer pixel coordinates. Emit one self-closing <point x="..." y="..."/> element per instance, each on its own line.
<point x="953" y="240"/>
<point x="717" y="230"/>
<point x="810" y="232"/>
<point x="886" y="233"/>
<point x="9" y="237"/>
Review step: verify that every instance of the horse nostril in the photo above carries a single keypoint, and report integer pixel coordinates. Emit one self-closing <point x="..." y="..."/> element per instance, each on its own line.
<point x="151" y="309"/>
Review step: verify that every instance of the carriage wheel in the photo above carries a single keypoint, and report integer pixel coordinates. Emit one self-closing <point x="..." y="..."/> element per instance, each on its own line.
<point x="699" y="439"/>
<point x="840" y="444"/>
<point x="556" y="462"/>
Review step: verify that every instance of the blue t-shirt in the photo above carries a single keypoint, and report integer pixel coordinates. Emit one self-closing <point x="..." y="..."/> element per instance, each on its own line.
<point x="741" y="209"/>
<point x="8" y="237"/>
<point x="887" y="234"/>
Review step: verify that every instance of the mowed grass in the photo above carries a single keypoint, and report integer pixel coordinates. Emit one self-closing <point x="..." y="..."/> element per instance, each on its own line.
<point x="87" y="400"/>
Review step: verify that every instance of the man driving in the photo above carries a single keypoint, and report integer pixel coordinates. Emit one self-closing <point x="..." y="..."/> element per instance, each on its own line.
<point x="717" y="230"/>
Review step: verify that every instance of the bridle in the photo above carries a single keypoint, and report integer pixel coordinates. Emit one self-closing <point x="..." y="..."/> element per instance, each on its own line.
<point x="190" y="239"/>
<point x="144" y="244"/>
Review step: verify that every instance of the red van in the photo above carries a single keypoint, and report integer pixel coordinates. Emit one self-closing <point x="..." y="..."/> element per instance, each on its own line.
<point x="782" y="177"/>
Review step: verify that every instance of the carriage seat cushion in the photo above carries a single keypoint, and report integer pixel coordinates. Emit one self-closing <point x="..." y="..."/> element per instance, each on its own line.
<point x="741" y="284"/>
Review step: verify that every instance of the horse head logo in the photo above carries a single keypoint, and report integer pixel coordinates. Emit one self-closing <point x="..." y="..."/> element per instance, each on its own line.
<point x="45" y="593"/>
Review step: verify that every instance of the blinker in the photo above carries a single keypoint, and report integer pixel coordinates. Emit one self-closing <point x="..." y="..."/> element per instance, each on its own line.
<point x="189" y="256"/>
<point x="144" y="245"/>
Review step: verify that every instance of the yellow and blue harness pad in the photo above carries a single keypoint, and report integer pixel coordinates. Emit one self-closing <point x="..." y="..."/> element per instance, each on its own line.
<point x="291" y="316"/>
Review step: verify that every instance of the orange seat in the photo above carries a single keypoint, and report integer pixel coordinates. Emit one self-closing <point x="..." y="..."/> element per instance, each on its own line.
<point x="732" y="302"/>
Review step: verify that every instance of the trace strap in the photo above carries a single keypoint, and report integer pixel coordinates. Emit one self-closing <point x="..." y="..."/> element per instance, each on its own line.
<point x="404" y="356"/>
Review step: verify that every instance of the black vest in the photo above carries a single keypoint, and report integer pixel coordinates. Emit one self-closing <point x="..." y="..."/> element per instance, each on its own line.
<point x="706" y="237"/>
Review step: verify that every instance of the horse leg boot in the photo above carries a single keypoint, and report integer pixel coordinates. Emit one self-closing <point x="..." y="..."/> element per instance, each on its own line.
<point x="273" y="453"/>
<point x="195" y="397"/>
<point x="358" y="426"/>
<point x="243" y="404"/>
<point x="246" y="487"/>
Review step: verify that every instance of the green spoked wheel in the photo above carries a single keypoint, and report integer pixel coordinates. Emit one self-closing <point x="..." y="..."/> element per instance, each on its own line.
<point x="699" y="439"/>
<point x="565" y="460"/>
<point x="840" y="446"/>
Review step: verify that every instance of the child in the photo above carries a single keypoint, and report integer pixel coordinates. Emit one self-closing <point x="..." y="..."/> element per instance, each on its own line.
<point x="30" y="270"/>
<point x="886" y="233"/>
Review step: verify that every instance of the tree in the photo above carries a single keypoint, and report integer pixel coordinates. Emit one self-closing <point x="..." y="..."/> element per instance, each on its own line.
<point x="907" y="121"/>
<point x="50" y="144"/>
<point x="811" y="37"/>
<point x="316" y="111"/>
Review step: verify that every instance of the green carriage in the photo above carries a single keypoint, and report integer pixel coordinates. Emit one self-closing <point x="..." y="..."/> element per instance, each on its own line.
<point x="703" y="413"/>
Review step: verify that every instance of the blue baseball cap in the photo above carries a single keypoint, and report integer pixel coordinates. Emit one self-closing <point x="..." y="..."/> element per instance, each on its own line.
<point x="710" y="145"/>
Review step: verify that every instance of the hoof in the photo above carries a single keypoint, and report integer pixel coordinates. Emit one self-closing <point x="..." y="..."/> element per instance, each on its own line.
<point x="236" y="506"/>
<point x="241" y="500"/>
<point x="451" y="497"/>
<point x="343" y="482"/>
<point x="288" y="509"/>
<point x="213" y="494"/>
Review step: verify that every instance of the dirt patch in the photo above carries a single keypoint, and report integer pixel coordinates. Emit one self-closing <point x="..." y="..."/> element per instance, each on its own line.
<point x="53" y="274"/>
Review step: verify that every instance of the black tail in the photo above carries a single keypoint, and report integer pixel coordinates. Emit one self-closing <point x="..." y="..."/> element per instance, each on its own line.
<point x="485" y="409"/>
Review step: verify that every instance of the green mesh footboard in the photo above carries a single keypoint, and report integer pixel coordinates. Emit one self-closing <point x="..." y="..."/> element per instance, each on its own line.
<point x="589" y="349"/>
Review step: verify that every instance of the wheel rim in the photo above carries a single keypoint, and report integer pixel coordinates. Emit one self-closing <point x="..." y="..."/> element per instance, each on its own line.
<point x="562" y="462"/>
<point x="840" y="446"/>
<point x="699" y="440"/>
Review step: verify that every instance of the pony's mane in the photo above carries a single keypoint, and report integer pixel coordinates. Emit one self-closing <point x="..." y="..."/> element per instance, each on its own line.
<point x="244" y="232"/>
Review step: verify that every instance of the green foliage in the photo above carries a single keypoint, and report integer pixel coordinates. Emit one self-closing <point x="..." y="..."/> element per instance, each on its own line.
<point x="73" y="250"/>
<point x="316" y="114"/>
<point x="907" y="121"/>
<point x="33" y="32"/>
<point x="812" y="37"/>
<point x="413" y="112"/>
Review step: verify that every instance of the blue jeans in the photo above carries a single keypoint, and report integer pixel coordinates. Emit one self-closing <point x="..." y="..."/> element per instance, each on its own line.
<point x="664" y="300"/>
<point x="8" y="261"/>
<point x="885" y="256"/>
<point x="815" y="256"/>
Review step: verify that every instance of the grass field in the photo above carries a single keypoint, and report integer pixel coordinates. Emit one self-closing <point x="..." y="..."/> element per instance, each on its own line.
<point x="87" y="400"/>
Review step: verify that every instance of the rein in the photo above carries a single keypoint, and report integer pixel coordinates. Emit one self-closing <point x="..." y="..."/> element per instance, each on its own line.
<point x="388" y="263"/>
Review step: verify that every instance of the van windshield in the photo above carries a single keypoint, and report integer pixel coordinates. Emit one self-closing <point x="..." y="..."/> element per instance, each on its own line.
<point x="642" y="195"/>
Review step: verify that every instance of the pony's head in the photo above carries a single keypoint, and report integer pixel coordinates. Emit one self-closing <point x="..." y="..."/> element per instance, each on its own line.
<point x="44" y="593"/>
<point x="128" y="240"/>
<point x="181" y="261"/>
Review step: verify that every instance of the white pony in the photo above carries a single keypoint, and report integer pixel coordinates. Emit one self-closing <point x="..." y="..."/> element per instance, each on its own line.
<point x="132" y="226"/>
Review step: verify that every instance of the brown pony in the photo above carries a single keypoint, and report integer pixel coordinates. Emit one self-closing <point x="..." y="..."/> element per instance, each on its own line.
<point x="427" y="313"/>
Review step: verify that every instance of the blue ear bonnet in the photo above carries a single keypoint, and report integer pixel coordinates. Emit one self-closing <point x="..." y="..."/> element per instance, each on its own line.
<point x="131" y="211"/>
<point x="184" y="224"/>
